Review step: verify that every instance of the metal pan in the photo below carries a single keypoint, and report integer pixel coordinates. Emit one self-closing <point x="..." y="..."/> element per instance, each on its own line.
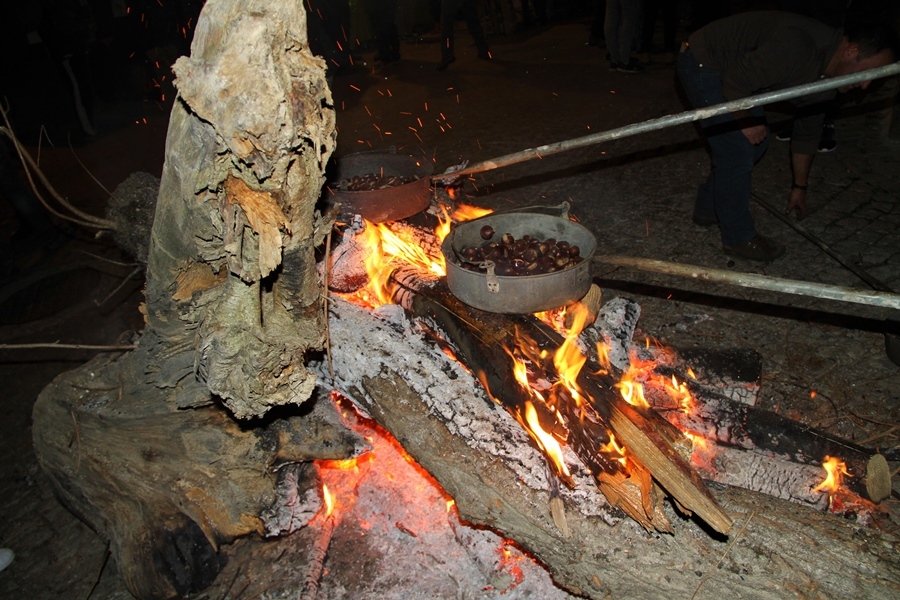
<point x="389" y="204"/>
<point x="519" y="294"/>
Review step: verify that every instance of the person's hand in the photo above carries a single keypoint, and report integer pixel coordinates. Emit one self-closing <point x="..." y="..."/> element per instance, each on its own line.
<point x="797" y="202"/>
<point x="755" y="134"/>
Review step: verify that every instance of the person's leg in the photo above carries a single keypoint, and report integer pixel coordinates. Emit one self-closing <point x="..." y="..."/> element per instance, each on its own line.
<point x="470" y="14"/>
<point x="449" y="10"/>
<point x="611" y="30"/>
<point x="725" y="195"/>
<point x="628" y="27"/>
<point x="730" y="183"/>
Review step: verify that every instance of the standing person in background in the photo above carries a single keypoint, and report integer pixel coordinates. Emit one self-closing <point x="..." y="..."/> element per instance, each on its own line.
<point x="449" y="11"/>
<point x="383" y="18"/>
<point x="596" y="37"/>
<point x="669" y="10"/>
<point x="749" y="53"/>
<point x="623" y="18"/>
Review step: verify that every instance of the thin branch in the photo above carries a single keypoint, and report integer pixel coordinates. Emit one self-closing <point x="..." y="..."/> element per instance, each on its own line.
<point x="317" y="560"/>
<point x="86" y="170"/>
<point x="109" y="260"/>
<point x="123" y="347"/>
<point x="121" y="285"/>
<point x="325" y="304"/>
<point x="84" y="218"/>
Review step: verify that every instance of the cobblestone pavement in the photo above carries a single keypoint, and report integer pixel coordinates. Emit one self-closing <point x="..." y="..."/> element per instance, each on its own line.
<point x="824" y="362"/>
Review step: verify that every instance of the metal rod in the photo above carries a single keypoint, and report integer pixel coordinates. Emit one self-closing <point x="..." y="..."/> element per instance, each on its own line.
<point x="677" y="119"/>
<point x="874" y="283"/>
<point x="760" y="282"/>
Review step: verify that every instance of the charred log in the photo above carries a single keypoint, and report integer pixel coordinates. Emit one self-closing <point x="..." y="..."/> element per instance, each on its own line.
<point x="481" y="340"/>
<point x="738" y="425"/>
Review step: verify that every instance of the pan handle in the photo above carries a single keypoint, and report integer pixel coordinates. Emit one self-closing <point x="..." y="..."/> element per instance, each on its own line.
<point x="562" y="208"/>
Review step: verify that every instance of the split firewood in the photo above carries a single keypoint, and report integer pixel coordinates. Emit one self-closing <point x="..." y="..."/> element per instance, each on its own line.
<point x="482" y="341"/>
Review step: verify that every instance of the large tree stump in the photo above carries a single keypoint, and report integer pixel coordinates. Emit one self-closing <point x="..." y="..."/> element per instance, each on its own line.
<point x="166" y="488"/>
<point x="233" y="306"/>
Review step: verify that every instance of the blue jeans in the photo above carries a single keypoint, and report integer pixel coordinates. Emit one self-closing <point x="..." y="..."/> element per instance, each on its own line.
<point x="725" y="194"/>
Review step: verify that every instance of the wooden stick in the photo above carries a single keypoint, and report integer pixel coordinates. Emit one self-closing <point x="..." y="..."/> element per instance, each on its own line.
<point x="760" y="282"/>
<point x="317" y="560"/>
<point x="325" y="303"/>
<point x="874" y="283"/>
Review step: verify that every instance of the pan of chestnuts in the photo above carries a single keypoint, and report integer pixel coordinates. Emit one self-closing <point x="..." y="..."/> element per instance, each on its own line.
<point x="519" y="262"/>
<point x="380" y="186"/>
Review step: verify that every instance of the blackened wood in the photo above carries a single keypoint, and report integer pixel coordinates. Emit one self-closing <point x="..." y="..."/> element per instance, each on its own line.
<point x="738" y="425"/>
<point x="480" y="339"/>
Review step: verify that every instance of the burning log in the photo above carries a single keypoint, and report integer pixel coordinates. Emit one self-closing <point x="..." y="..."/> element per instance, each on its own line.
<point x="733" y="424"/>
<point x="484" y="461"/>
<point x="483" y="341"/>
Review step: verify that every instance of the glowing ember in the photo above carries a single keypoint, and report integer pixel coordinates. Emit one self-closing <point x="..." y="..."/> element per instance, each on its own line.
<point x="835" y="469"/>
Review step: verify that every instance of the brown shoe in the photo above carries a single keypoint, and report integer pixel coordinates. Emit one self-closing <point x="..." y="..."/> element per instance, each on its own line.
<point x="761" y="249"/>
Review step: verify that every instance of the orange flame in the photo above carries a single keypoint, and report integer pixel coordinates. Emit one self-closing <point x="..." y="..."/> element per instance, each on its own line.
<point x="547" y="442"/>
<point x="467" y="212"/>
<point x="387" y="250"/>
<point x="569" y="359"/>
<point x="329" y="500"/>
<point x="603" y="356"/>
<point x="613" y="447"/>
<point x="632" y="392"/>
<point x="835" y="470"/>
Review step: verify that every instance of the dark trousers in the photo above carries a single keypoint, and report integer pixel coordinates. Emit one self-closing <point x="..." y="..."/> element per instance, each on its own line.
<point x="449" y="11"/>
<point x="670" y="23"/>
<point x="726" y="192"/>
<point x="383" y="18"/>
